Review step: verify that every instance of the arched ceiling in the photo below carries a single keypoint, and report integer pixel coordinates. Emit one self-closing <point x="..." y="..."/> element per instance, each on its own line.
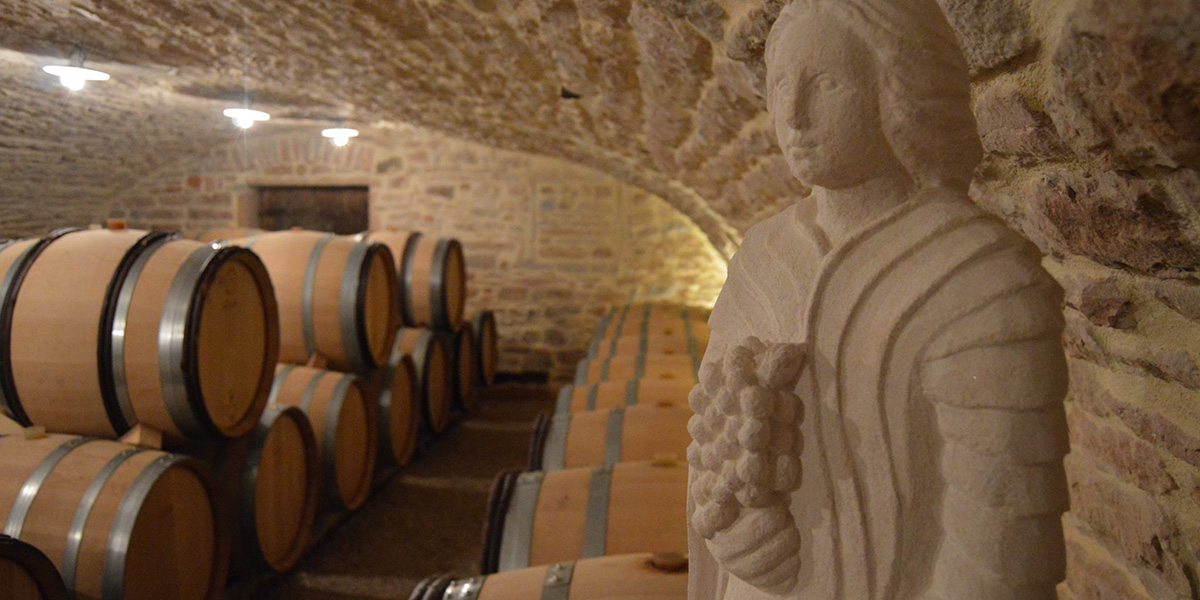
<point x="663" y="94"/>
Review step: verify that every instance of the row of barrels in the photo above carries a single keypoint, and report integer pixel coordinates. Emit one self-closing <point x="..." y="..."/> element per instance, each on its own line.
<point x="331" y="434"/>
<point x="607" y="475"/>
<point x="313" y="449"/>
<point x="600" y="512"/>
<point x="431" y="271"/>
<point x="112" y="332"/>
<point x="102" y="330"/>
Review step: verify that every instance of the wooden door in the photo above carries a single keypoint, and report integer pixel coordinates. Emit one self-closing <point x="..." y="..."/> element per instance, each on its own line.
<point x="341" y="210"/>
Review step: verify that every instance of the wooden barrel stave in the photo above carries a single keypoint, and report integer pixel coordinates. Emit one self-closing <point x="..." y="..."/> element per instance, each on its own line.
<point x="641" y="319"/>
<point x="119" y="522"/>
<point x="640" y="432"/>
<point x="556" y="516"/>
<point x="623" y="394"/>
<point x="338" y="301"/>
<point x="432" y="361"/>
<point x="656" y="329"/>
<point x="672" y="367"/>
<point x="143" y="323"/>
<point x="602" y="578"/>
<point x="487" y="349"/>
<point x="432" y="276"/>
<point x="59" y="300"/>
<point x="268" y="484"/>
<point x="396" y="388"/>
<point x="343" y="423"/>
<point x="466" y="393"/>
<point x="221" y="234"/>
<point x="650" y="344"/>
<point x="278" y="488"/>
<point x="14" y="259"/>
<point x="222" y="299"/>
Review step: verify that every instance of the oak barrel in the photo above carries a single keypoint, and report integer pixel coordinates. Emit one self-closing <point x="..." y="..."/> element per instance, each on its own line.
<point x="655" y="317"/>
<point x="651" y="344"/>
<point x="268" y="483"/>
<point x="627" y="576"/>
<point x="551" y="517"/>
<point x="434" y="371"/>
<point x="617" y="394"/>
<point x="651" y="328"/>
<point x="103" y="329"/>
<point x="119" y="522"/>
<point x="487" y="346"/>
<point x="607" y="437"/>
<point x="673" y="367"/>
<point x="433" y="277"/>
<point x="337" y="297"/>
<point x="395" y="389"/>
<point x="465" y="367"/>
<point x="27" y="574"/>
<point x="221" y="234"/>
<point x="343" y="422"/>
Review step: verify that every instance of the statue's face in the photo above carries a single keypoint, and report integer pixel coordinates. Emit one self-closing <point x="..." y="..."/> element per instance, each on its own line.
<point x="823" y="100"/>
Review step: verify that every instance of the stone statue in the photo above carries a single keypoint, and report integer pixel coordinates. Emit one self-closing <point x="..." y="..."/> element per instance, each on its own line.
<point x="879" y="414"/>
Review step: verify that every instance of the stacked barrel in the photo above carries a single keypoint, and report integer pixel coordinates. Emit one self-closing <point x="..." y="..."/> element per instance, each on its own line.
<point x="115" y="334"/>
<point x="275" y="364"/>
<point x="312" y="454"/>
<point x="454" y="354"/>
<point x="603" y="503"/>
<point x="386" y="307"/>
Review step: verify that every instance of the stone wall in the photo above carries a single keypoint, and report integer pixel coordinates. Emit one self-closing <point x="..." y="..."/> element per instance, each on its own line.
<point x="1089" y="112"/>
<point x="549" y="245"/>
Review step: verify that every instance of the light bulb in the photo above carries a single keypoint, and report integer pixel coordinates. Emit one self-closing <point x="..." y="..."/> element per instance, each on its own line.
<point x="74" y="78"/>
<point x="73" y="83"/>
<point x="340" y="136"/>
<point x="246" y="118"/>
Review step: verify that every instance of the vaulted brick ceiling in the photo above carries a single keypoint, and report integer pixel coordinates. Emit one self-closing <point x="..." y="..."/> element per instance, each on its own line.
<point x="668" y="90"/>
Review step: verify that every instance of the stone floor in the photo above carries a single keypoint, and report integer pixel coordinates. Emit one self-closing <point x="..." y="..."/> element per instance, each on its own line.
<point x="426" y="520"/>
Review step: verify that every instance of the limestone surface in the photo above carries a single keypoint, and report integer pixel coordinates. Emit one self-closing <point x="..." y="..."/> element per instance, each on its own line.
<point x="894" y="428"/>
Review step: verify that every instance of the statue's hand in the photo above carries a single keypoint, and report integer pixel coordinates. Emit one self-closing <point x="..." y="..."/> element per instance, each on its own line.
<point x="745" y="456"/>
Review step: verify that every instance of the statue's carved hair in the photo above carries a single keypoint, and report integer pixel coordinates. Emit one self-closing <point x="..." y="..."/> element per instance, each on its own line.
<point x="921" y="75"/>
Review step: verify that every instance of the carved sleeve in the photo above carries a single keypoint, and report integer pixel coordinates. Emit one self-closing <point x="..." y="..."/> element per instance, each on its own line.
<point x="996" y="378"/>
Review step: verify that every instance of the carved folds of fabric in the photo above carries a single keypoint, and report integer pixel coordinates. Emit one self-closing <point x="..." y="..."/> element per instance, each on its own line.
<point x="931" y="371"/>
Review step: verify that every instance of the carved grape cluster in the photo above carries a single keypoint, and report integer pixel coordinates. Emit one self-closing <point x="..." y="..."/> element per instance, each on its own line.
<point x="746" y="442"/>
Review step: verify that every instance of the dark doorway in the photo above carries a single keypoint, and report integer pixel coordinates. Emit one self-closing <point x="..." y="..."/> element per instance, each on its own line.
<point x="341" y="210"/>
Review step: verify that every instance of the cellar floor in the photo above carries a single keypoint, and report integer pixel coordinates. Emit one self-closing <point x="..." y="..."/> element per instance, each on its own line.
<point x="426" y="520"/>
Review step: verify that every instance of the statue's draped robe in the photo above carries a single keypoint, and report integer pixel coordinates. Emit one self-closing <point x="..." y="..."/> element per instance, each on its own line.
<point x="933" y="421"/>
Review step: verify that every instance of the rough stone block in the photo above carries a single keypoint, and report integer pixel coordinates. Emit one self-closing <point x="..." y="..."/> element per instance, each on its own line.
<point x="1120" y="512"/>
<point x="1009" y="125"/>
<point x="1116" y="219"/>
<point x="1126" y="82"/>
<point x="1132" y="458"/>
<point x="1099" y="396"/>
<point x="1095" y="573"/>
<point x="991" y="32"/>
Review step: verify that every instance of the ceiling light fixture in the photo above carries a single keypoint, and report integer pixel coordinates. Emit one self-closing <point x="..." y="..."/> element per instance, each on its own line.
<point x="340" y="136"/>
<point x="74" y="78"/>
<point x="245" y="117"/>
